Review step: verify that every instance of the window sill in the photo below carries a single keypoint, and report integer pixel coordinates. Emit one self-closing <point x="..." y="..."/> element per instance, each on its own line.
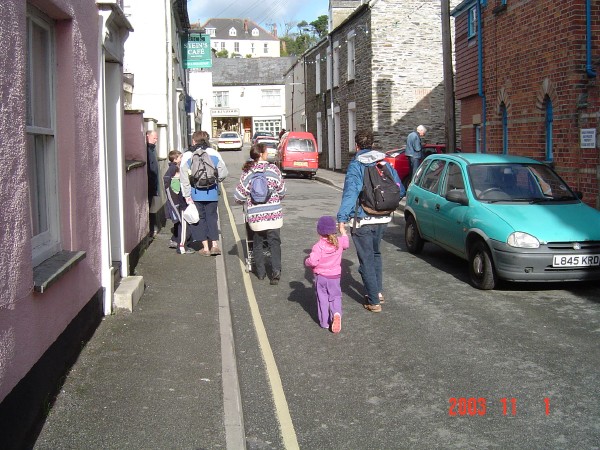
<point x="53" y="269"/>
<point x="499" y="9"/>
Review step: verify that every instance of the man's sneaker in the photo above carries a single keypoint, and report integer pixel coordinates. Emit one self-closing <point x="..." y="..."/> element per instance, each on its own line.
<point x="372" y="308"/>
<point x="336" y="325"/>
<point x="185" y="250"/>
<point x="275" y="277"/>
<point x="173" y="244"/>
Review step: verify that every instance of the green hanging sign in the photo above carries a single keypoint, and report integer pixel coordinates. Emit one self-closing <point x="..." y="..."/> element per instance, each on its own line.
<point x="196" y="51"/>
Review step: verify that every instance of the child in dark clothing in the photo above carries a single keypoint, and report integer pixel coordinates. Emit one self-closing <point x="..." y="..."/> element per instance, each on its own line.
<point x="175" y="202"/>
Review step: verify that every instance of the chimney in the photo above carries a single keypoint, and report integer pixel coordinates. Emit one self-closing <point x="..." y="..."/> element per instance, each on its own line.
<point x="246" y="26"/>
<point x="274" y="31"/>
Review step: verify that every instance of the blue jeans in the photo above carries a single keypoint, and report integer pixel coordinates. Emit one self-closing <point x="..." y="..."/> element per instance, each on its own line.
<point x="367" y="240"/>
<point x="415" y="162"/>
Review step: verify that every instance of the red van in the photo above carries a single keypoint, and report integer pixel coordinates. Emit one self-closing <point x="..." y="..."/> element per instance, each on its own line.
<point x="297" y="153"/>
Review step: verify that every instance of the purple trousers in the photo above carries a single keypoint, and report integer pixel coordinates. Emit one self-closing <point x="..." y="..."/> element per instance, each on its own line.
<point x="329" y="299"/>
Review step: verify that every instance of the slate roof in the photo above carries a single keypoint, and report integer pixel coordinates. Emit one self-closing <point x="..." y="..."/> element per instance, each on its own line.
<point x="222" y="27"/>
<point x="250" y="71"/>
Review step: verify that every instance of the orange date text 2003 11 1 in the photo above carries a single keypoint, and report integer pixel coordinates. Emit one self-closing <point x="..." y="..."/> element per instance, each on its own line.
<point x="478" y="406"/>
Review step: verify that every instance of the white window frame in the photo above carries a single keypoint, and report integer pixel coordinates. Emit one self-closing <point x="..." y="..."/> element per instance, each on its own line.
<point x="41" y="143"/>
<point x="232" y="32"/>
<point x="221" y="99"/>
<point x="351" y="40"/>
<point x="212" y="32"/>
<point x="351" y="127"/>
<point x="336" y="64"/>
<point x="318" y="74"/>
<point x="472" y="22"/>
<point x="255" y="32"/>
<point x="252" y="48"/>
<point x="236" y="47"/>
<point x="329" y="77"/>
<point x="270" y="97"/>
<point x="266" y="48"/>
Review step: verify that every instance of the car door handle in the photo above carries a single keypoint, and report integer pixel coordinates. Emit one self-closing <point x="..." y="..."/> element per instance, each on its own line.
<point x="417" y="200"/>
<point x="437" y="206"/>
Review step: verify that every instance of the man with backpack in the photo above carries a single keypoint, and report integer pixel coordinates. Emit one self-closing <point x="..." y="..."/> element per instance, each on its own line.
<point x="201" y="171"/>
<point x="372" y="191"/>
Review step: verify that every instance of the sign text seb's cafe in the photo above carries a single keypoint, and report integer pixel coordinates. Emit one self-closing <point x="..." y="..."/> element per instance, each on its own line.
<point x="196" y="51"/>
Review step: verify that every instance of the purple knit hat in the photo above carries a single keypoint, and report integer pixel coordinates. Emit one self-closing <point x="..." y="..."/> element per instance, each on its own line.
<point x="326" y="226"/>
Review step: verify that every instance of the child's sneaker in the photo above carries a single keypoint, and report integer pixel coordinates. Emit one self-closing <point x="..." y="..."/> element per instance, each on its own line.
<point x="336" y="325"/>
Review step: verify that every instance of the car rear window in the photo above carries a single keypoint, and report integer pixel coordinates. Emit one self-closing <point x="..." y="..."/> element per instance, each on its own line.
<point x="229" y="135"/>
<point x="301" y="145"/>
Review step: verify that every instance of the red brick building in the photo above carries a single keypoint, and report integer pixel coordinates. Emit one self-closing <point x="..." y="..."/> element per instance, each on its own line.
<point x="527" y="83"/>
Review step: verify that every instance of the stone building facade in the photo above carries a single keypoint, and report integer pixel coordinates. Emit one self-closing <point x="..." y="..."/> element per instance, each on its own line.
<point x="527" y="83"/>
<point x="380" y="68"/>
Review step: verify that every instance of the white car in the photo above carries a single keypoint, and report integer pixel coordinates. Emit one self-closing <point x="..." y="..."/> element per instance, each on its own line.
<point x="271" y="145"/>
<point x="230" y="140"/>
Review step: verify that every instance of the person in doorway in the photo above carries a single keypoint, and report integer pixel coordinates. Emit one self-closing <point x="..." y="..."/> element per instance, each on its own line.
<point x="325" y="259"/>
<point x="414" y="151"/>
<point x="367" y="230"/>
<point x="152" y="170"/>
<point x="265" y="219"/>
<point x="206" y="200"/>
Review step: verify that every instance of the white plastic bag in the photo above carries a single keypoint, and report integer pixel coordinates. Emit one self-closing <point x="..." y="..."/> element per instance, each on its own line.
<point x="190" y="215"/>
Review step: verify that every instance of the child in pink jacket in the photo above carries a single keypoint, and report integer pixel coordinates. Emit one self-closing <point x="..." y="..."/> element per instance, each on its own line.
<point x="325" y="259"/>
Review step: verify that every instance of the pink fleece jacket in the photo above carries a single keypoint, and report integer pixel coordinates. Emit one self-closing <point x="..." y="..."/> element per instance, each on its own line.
<point x="325" y="259"/>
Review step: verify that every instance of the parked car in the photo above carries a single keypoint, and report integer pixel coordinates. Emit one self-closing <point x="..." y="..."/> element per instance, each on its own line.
<point x="230" y="140"/>
<point x="398" y="159"/>
<point x="266" y="134"/>
<point x="297" y="153"/>
<point x="510" y="217"/>
<point x="271" y="145"/>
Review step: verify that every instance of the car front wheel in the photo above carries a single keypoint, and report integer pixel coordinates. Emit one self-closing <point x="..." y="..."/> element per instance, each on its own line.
<point x="412" y="238"/>
<point x="481" y="267"/>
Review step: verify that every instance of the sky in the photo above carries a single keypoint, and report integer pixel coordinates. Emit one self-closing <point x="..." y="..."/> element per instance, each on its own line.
<point x="263" y="12"/>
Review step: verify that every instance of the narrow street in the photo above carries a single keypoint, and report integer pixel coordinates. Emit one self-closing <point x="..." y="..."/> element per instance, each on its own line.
<point x="443" y="366"/>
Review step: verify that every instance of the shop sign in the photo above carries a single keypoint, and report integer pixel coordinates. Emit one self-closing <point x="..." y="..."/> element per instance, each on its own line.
<point x="225" y="112"/>
<point x="587" y="138"/>
<point x="196" y="51"/>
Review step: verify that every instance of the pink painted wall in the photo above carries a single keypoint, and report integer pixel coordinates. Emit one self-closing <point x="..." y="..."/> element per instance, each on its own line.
<point x="30" y="322"/>
<point x="136" y="181"/>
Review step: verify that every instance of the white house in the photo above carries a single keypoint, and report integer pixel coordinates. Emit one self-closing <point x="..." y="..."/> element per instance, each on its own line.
<point x="242" y="94"/>
<point x="241" y="38"/>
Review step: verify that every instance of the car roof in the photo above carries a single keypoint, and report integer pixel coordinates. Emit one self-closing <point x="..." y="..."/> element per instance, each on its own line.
<point x="300" y="135"/>
<point x="486" y="158"/>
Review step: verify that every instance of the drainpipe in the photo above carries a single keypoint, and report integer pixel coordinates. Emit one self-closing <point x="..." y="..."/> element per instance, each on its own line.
<point x="480" y="75"/>
<point x="588" y="45"/>
<point x="330" y="69"/>
<point x="171" y="126"/>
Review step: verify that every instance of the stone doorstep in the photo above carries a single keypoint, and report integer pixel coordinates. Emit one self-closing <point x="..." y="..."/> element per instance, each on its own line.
<point x="129" y="292"/>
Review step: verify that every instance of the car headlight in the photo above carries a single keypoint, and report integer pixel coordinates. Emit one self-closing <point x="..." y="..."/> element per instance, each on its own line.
<point x="522" y="240"/>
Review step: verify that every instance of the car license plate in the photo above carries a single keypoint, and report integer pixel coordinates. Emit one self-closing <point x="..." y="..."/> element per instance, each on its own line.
<point x="301" y="163"/>
<point x="575" y="260"/>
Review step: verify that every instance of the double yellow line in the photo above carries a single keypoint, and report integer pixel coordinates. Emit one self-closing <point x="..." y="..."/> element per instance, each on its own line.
<point x="282" y="411"/>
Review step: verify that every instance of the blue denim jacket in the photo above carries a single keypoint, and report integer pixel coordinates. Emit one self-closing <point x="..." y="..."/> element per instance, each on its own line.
<point x="353" y="183"/>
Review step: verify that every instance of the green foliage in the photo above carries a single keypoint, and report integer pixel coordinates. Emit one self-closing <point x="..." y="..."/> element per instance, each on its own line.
<point x="296" y="43"/>
<point x="223" y="53"/>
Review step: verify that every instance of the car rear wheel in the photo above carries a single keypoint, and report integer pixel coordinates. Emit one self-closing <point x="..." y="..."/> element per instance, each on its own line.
<point x="481" y="267"/>
<point x="412" y="238"/>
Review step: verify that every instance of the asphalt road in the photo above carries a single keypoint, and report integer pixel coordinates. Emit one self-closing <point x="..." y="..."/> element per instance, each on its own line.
<point x="443" y="366"/>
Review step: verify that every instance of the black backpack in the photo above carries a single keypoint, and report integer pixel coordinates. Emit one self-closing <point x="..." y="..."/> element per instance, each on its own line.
<point x="204" y="174"/>
<point x="380" y="194"/>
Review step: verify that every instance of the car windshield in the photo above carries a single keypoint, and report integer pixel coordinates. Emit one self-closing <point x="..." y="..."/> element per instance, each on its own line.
<point x="301" y="145"/>
<point x="533" y="183"/>
<point x="229" y="136"/>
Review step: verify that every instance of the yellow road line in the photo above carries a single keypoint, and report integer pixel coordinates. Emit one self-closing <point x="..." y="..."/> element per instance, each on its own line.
<point x="282" y="411"/>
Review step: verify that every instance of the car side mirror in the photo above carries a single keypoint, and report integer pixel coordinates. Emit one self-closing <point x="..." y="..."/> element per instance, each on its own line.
<point x="457" y="196"/>
<point x="579" y="195"/>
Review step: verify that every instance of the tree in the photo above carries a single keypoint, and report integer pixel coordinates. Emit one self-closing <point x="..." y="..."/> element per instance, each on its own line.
<point x="320" y="25"/>
<point x="223" y="53"/>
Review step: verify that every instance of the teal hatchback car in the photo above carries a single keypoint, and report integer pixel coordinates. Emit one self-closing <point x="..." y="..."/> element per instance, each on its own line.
<point x="512" y="218"/>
